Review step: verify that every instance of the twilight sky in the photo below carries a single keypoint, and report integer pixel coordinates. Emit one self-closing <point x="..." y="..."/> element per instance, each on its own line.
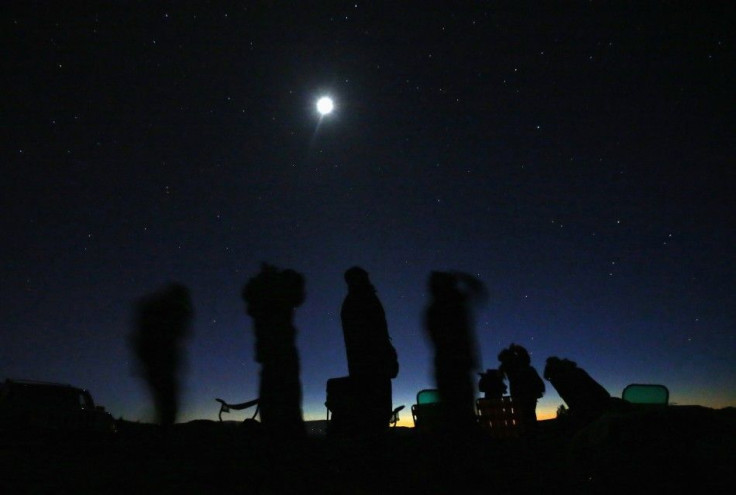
<point x="577" y="157"/>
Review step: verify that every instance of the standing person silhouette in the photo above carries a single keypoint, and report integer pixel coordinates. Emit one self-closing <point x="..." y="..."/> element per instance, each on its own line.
<point x="271" y="298"/>
<point x="526" y="386"/>
<point x="163" y="321"/>
<point x="372" y="361"/>
<point x="449" y="325"/>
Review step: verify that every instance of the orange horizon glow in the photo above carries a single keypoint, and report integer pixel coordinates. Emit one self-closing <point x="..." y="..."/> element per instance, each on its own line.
<point x="406" y="420"/>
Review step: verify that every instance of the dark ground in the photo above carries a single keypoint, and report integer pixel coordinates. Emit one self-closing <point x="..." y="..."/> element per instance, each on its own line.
<point x="671" y="449"/>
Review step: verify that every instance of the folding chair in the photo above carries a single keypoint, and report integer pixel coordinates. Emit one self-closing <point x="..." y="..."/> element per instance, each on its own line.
<point x="225" y="408"/>
<point x="342" y="400"/>
<point x="426" y="412"/>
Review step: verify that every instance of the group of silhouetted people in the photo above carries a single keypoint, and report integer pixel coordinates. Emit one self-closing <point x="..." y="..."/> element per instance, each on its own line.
<point x="361" y="403"/>
<point x="163" y="319"/>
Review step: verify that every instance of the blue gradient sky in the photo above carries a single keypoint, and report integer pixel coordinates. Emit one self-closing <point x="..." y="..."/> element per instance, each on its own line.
<point x="577" y="158"/>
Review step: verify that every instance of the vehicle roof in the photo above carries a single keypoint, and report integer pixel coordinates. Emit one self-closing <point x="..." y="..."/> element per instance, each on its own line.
<point x="37" y="383"/>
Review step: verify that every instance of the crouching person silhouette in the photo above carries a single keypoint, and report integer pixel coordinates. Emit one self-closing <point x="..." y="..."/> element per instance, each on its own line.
<point x="586" y="398"/>
<point x="271" y="297"/>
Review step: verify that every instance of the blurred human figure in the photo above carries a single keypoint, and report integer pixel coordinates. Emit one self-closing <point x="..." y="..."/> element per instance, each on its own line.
<point x="271" y="297"/>
<point x="162" y="323"/>
<point x="525" y="384"/>
<point x="492" y="384"/>
<point x="372" y="359"/>
<point x="585" y="397"/>
<point x="449" y="326"/>
<point x="455" y="441"/>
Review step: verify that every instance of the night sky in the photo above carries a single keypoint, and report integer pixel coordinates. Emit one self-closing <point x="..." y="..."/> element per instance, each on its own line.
<point x="577" y="157"/>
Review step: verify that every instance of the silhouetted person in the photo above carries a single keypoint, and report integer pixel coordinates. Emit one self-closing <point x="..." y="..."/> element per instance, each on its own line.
<point x="450" y="329"/>
<point x="371" y="357"/>
<point x="525" y="384"/>
<point x="491" y="384"/>
<point x="271" y="297"/>
<point x="454" y="462"/>
<point x="162" y="322"/>
<point x="585" y="397"/>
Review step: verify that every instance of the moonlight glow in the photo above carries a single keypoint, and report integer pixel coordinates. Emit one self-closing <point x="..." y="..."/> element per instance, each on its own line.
<point x="325" y="105"/>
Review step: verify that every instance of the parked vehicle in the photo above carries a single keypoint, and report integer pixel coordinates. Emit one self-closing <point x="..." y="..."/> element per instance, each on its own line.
<point x="41" y="407"/>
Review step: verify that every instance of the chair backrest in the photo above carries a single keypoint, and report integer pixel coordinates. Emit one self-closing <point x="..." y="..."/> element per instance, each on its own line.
<point x="428" y="396"/>
<point x="646" y="393"/>
<point x="500" y="418"/>
<point x="225" y="407"/>
<point x="340" y="393"/>
<point x="426" y="413"/>
<point x="395" y="416"/>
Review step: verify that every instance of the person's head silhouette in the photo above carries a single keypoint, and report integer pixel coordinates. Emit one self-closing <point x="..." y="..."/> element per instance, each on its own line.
<point x="357" y="278"/>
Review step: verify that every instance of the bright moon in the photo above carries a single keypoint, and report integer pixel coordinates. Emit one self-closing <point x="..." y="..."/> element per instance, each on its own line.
<point x="325" y="105"/>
